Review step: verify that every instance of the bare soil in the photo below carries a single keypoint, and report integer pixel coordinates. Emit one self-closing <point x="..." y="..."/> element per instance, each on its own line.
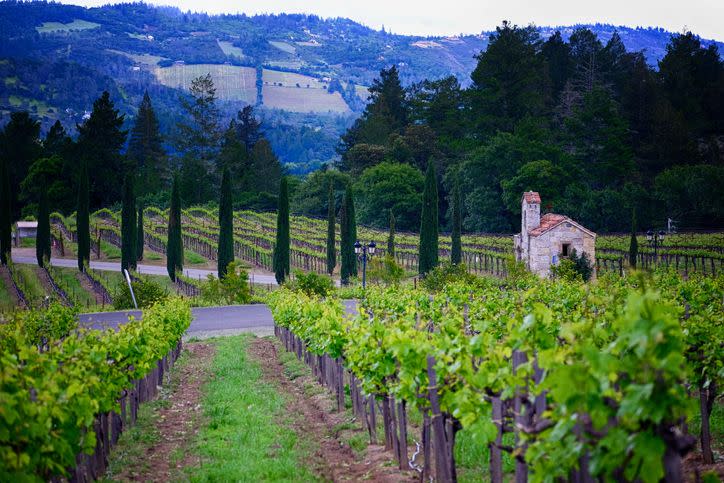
<point x="6" y="279"/>
<point x="177" y="422"/>
<point x="315" y="419"/>
<point x="88" y="287"/>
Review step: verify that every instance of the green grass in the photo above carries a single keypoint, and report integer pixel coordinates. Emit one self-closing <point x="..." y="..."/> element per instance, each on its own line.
<point x="151" y="256"/>
<point x="30" y="283"/>
<point x="7" y="303"/>
<point x="67" y="279"/>
<point x="472" y="458"/>
<point x="111" y="252"/>
<point x="247" y="435"/>
<point x="53" y="27"/>
<point x="28" y="242"/>
<point x="193" y="258"/>
<point x="283" y="46"/>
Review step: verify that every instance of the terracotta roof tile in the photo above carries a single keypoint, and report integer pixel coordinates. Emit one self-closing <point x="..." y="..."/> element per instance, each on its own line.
<point x="531" y="197"/>
<point x="547" y="221"/>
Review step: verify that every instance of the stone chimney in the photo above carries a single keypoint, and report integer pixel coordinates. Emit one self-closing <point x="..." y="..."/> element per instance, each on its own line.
<point x="530" y="212"/>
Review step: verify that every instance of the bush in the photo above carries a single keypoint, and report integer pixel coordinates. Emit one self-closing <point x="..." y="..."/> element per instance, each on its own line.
<point x="385" y="271"/>
<point x="233" y="289"/>
<point x="445" y="274"/>
<point x="573" y="268"/>
<point x="311" y="283"/>
<point x="147" y="293"/>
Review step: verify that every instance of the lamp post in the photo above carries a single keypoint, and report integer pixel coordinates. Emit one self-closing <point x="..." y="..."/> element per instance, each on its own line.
<point x="363" y="250"/>
<point x="655" y="239"/>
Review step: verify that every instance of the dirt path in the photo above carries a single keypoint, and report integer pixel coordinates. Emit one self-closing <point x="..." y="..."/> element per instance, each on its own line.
<point x="88" y="287"/>
<point x="314" y="419"/>
<point x="178" y="417"/>
<point x="7" y="280"/>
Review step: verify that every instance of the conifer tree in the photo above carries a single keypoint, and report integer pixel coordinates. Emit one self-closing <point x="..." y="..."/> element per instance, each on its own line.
<point x="456" y="249"/>
<point x="348" y="230"/>
<point x="42" y="240"/>
<point x="226" y="225"/>
<point x="633" y="248"/>
<point x="129" y="239"/>
<point x="82" y="217"/>
<point x="145" y="150"/>
<point x="331" y="234"/>
<point x="281" y="248"/>
<point x="139" y="234"/>
<point x="391" y="237"/>
<point x="5" y="213"/>
<point x="174" y="247"/>
<point x="429" y="229"/>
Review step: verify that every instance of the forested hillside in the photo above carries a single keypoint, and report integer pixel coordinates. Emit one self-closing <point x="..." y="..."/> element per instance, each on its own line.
<point x="307" y="76"/>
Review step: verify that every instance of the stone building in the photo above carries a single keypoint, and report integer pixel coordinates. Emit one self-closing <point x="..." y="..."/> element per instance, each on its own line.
<point x="543" y="240"/>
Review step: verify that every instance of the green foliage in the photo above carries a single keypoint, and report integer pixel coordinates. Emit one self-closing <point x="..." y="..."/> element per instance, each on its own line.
<point x="583" y="265"/>
<point x="226" y="226"/>
<point x="145" y="150"/>
<point x="390" y="186"/>
<point x="129" y="236"/>
<point x="281" y="247"/>
<point x="429" y="228"/>
<point x="72" y="381"/>
<point x="5" y="213"/>
<point x="140" y="242"/>
<point x="174" y="246"/>
<point x="147" y="292"/>
<point x="445" y="274"/>
<point x="384" y="270"/>
<point x="232" y="289"/>
<point x="391" y="236"/>
<point x="331" y="230"/>
<point x="566" y="270"/>
<point x="311" y="284"/>
<point x="40" y="327"/>
<point x="312" y="196"/>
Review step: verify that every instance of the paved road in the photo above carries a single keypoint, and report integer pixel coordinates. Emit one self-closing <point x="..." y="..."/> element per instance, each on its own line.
<point x="255" y="277"/>
<point x="207" y="321"/>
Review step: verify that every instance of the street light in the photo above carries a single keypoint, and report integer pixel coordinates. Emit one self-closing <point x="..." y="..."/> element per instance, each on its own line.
<point x="364" y="250"/>
<point x="655" y="239"/>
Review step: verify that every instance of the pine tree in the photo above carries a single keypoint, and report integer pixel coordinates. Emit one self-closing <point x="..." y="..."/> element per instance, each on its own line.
<point x="5" y="213"/>
<point x="42" y="240"/>
<point x="139" y="234"/>
<point x="331" y="235"/>
<point x="100" y="140"/>
<point x="174" y="247"/>
<point x="82" y="217"/>
<point x="633" y="248"/>
<point x="145" y="150"/>
<point x="456" y="250"/>
<point x="129" y="239"/>
<point x="281" y="248"/>
<point x="348" y="230"/>
<point x="429" y="229"/>
<point x="226" y="225"/>
<point x="391" y="237"/>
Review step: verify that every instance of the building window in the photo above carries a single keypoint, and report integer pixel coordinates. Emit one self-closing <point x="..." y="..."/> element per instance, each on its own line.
<point x="566" y="250"/>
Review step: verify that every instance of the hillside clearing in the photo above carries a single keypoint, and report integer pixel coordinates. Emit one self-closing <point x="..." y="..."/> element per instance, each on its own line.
<point x="53" y="27"/>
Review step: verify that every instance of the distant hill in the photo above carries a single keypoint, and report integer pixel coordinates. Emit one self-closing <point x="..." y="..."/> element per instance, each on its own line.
<point x="56" y="59"/>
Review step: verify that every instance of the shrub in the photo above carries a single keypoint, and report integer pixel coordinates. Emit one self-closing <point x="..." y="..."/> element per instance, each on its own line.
<point x="233" y="289"/>
<point x="385" y="271"/>
<point x="445" y="274"/>
<point x="566" y="270"/>
<point x="147" y="293"/>
<point x="311" y="283"/>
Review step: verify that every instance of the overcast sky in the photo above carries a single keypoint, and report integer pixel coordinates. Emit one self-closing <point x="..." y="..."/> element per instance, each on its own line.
<point x="448" y="17"/>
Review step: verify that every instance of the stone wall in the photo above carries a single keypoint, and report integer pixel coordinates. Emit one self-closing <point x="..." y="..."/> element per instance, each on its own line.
<point x="544" y="247"/>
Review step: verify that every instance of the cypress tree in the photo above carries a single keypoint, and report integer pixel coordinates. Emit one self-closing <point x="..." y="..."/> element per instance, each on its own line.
<point x="5" y="213"/>
<point x="139" y="234"/>
<point x="226" y="225"/>
<point x="331" y="235"/>
<point x="281" y="248"/>
<point x="348" y="230"/>
<point x="174" y="247"/>
<point x="82" y="217"/>
<point x="128" y="225"/>
<point x="456" y="250"/>
<point x="42" y="241"/>
<point x="429" y="229"/>
<point x="391" y="236"/>
<point x="633" y="248"/>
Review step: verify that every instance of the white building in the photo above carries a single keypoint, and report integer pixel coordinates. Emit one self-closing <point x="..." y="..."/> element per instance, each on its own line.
<point x="543" y="240"/>
<point x="25" y="229"/>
